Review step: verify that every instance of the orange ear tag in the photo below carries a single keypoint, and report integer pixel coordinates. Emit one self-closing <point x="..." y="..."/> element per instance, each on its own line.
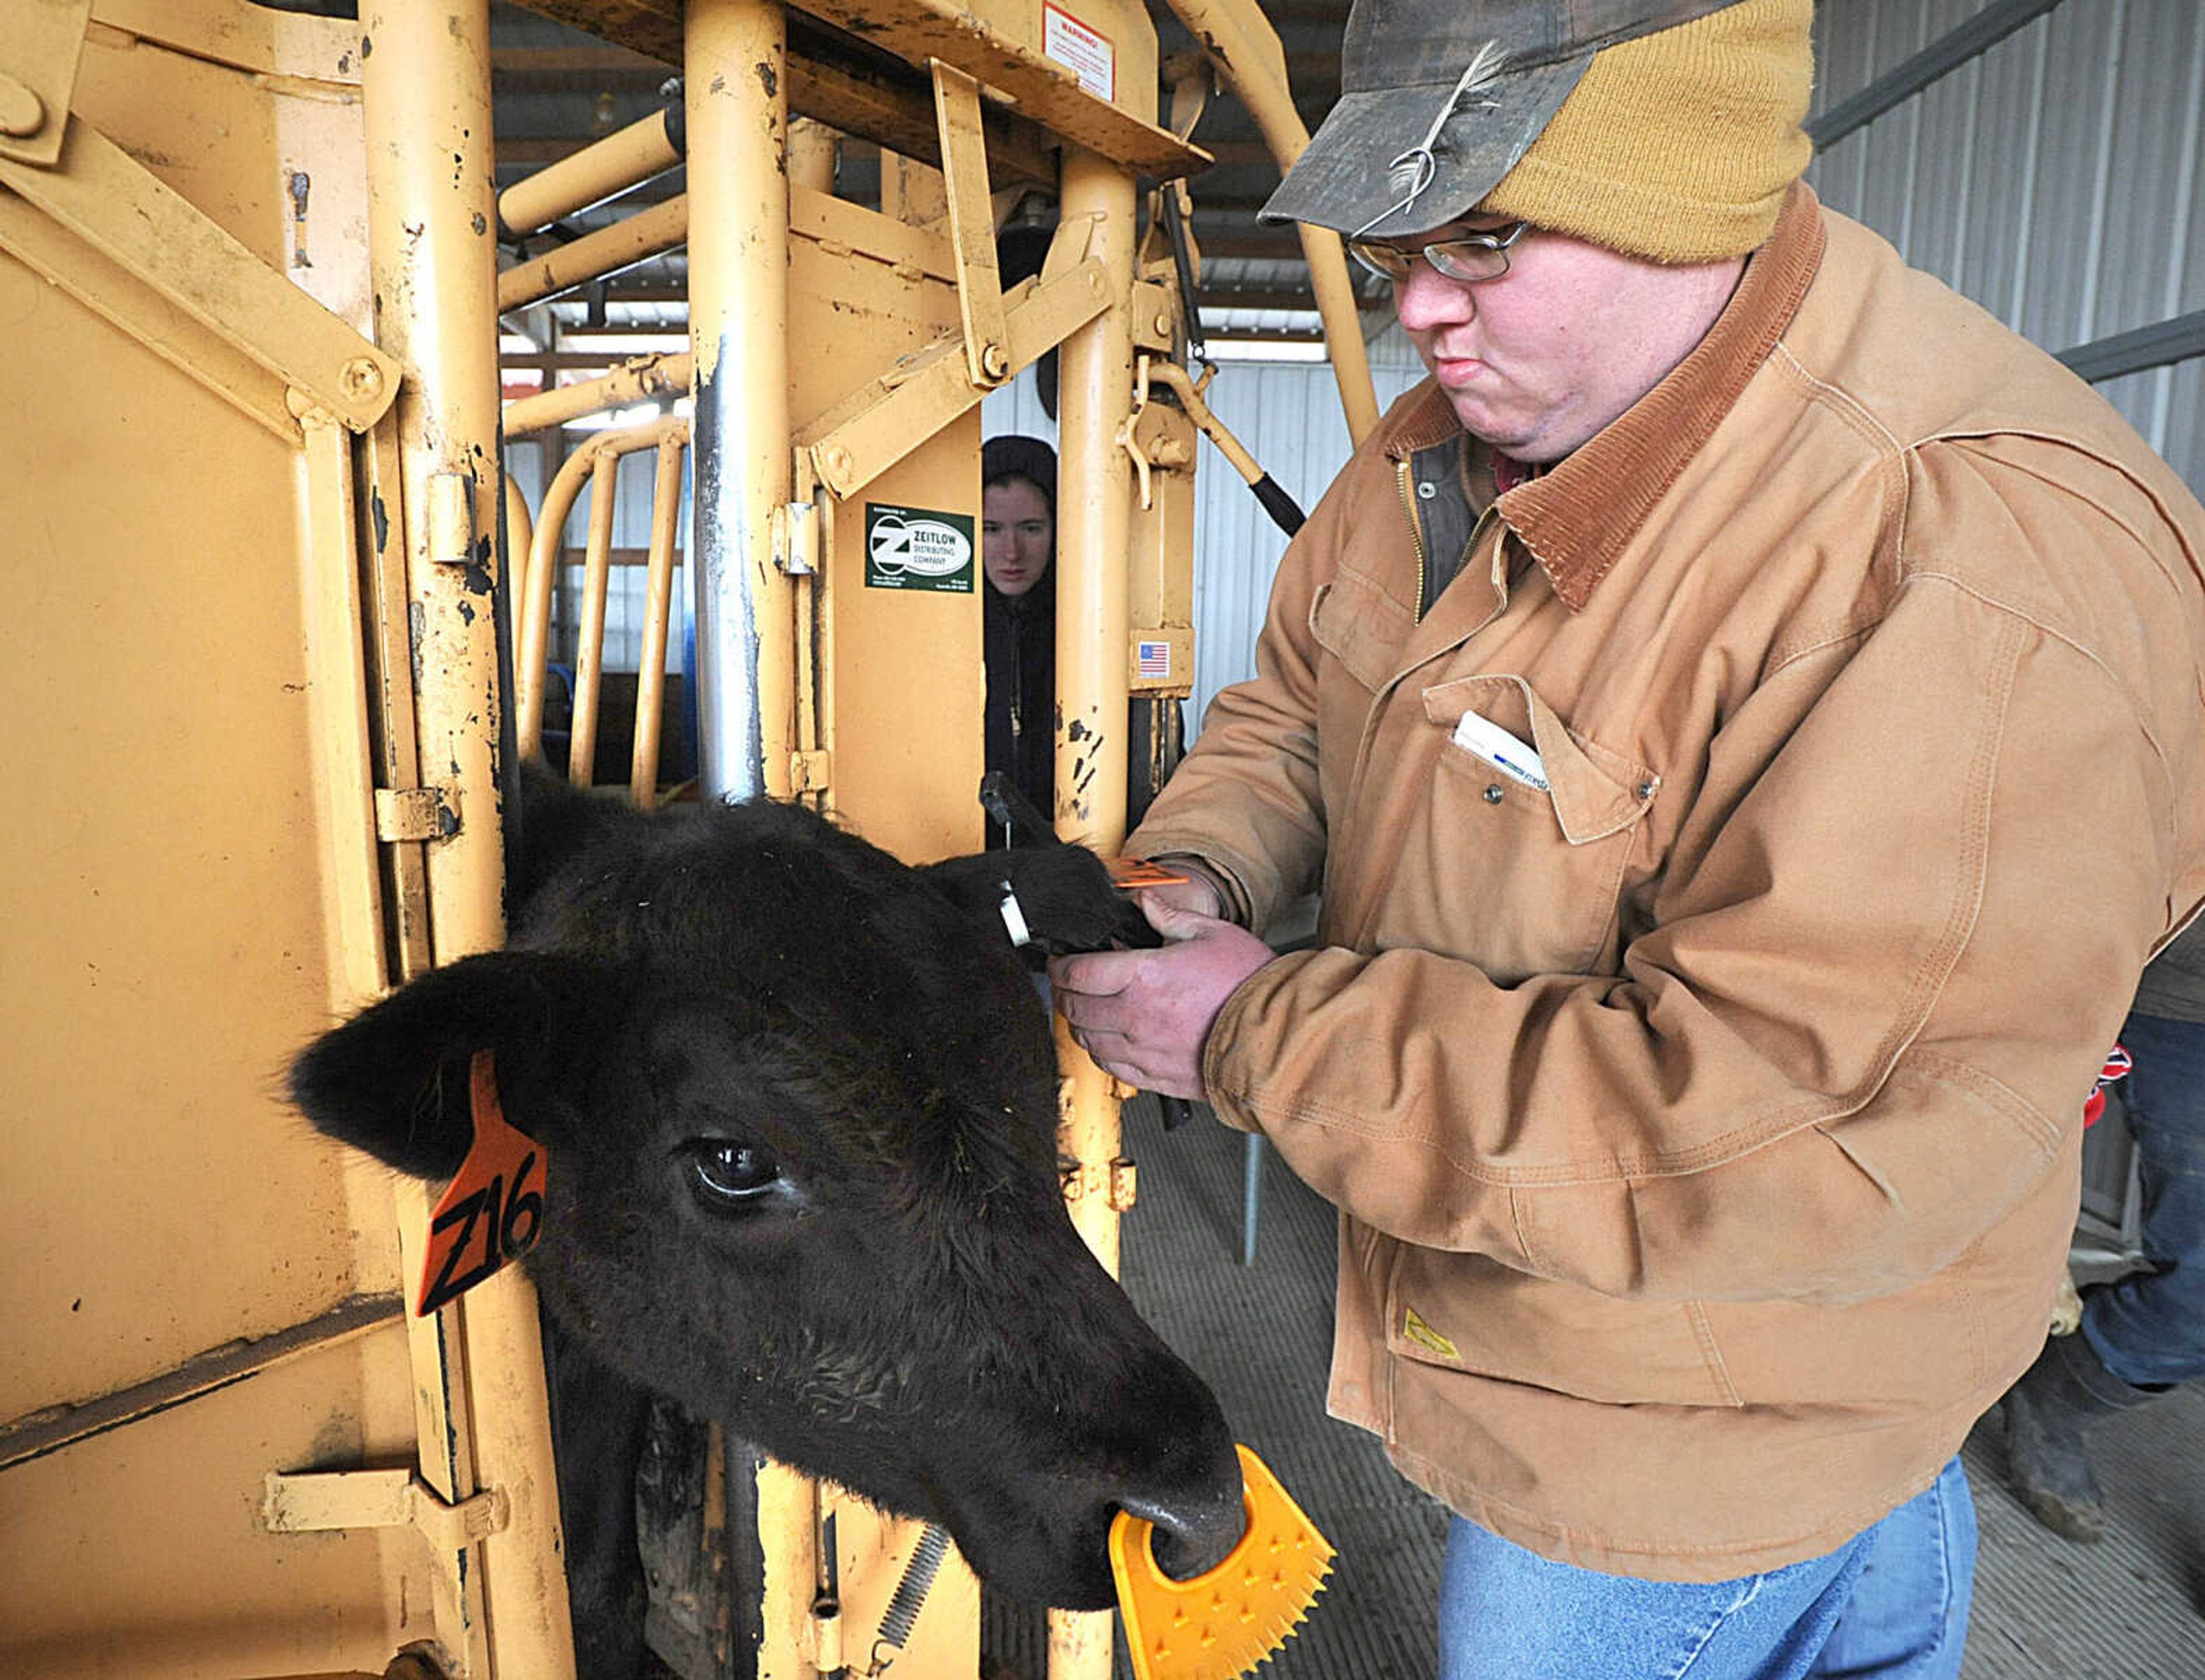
<point x="1220" y="1625"/>
<point x="1128" y="873"/>
<point x="493" y="1207"/>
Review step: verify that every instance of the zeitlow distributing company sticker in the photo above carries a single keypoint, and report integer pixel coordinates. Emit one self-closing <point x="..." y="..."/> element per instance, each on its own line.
<point x="918" y="547"/>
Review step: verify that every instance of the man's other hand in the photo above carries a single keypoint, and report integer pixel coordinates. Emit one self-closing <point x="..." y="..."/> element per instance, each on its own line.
<point x="1143" y="1015"/>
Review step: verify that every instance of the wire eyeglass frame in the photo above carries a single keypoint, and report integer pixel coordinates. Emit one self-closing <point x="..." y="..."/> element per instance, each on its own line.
<point x="1466" y="257"/>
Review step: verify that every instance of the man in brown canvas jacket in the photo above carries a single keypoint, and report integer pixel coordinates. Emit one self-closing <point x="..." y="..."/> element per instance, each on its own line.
<point x="1742" y="716"/>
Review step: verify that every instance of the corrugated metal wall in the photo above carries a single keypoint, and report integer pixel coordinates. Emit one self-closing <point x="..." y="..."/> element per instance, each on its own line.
<point x="2054" y="177"/>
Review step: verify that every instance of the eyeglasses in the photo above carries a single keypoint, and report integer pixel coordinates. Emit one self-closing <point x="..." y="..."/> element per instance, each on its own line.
<point x="1469" y="258"/>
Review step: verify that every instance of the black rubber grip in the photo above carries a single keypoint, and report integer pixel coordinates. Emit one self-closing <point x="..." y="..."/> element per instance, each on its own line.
<point x="1286" y="512"/>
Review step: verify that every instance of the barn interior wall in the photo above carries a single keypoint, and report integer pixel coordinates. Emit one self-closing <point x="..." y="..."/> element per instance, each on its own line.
<point x="2053" y="178"/>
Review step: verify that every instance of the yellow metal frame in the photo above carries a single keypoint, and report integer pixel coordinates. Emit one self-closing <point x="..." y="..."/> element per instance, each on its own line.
<point x="391" y="420"/>
<point x="482" y="1408"/>
<point x="129" y="246"/>
<point x="596" y="172"/>
<point x="397" y="489"/>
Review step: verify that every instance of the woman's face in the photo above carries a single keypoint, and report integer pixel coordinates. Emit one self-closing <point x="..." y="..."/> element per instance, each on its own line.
<point x="1017" y="535"/>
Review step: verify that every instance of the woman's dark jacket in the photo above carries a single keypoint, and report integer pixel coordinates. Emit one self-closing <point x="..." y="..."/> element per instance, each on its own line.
<point x="1019" y="640"/>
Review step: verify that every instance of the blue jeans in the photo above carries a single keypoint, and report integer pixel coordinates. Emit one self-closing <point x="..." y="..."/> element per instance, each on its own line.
<point x="1891" y="1601"/>
<point x="2148" y="1329"/>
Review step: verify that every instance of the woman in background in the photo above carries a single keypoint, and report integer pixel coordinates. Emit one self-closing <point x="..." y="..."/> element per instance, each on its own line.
<point x="1018" y="553"/>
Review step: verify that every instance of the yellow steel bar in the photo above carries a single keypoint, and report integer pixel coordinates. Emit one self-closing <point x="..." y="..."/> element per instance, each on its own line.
<point x="431" y="247"/>
<point x="1343" y="332"/>
<point x="132" y="304"/>
<point x="982" y="43"/>
<point x="735" y="78"/>
<point x="382" y="524"/>
<point x="590" y="636"/>
<point x="519" y="539"/>
<point x="658" y="607"/>
<point x="815" y="636"/>
<point x="1241" y="41"/>
<point x="735" y="74"/>
<point x="1190" y="397"/>
<point x="130" y="217"/>
<point x="813" y="148"/>
<point x="535" y="587"/>
<point x="257" y="39"/>
<point x="548" y="537"/>
<point x="646" y="233"/>
<point x="637" y="381"/>
<point x="352" y="892"/>
<point x="1096" y="395"/>
<point x="862" y="99"/>
<point x="971" y="225"/>
<point x="598" y="172"/>
<point x="858" y="439"/>
<point x="1093" y="526"/>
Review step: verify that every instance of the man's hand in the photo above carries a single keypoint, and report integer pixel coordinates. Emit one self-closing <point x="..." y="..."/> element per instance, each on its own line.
<point x="1143" y="1015"/>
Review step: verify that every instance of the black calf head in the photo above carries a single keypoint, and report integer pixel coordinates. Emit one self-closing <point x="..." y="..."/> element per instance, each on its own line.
<point x="798" y="1104"/>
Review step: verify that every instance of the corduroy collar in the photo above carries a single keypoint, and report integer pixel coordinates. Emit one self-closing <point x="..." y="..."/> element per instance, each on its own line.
<point x="1577" y="517"/>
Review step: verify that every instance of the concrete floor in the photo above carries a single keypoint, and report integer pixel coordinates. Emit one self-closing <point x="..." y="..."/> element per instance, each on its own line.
<point x="2132" y="1608"/>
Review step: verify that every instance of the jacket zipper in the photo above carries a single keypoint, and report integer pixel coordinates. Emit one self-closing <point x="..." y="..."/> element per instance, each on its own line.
<point x="1416" y="531"/>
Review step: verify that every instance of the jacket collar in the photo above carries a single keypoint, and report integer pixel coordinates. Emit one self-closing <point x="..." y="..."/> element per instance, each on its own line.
<point x="1577" y="517"/>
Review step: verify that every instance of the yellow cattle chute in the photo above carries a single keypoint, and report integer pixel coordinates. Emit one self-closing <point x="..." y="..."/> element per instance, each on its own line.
<point x="268" y="565"/>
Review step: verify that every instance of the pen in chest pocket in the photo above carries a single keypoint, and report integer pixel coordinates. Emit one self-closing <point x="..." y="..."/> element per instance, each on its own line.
<point x="1497" y="747"/>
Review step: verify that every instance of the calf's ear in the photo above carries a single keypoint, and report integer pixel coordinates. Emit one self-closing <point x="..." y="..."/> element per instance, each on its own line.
<point x="1065" y="894"/>
<point x="392" y="1080"/>
<point x="556" y="822"/>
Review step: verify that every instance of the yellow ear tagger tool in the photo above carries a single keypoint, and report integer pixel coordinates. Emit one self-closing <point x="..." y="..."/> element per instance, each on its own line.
<point x="1220" y="1625"/>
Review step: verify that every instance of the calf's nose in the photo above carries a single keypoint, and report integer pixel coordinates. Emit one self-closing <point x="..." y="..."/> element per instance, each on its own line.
<point x="1193" y="1497"/>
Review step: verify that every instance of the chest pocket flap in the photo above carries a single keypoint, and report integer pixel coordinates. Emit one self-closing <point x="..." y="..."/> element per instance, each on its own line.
<point x="1361" y="625"/>
<point x="1596" y="792"/>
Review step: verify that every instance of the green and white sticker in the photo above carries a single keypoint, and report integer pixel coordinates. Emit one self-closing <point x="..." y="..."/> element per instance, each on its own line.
<point x="918" y="547"/>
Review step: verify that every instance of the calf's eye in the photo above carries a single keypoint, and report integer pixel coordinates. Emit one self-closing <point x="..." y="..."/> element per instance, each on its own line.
<point x="730" y="1174"/>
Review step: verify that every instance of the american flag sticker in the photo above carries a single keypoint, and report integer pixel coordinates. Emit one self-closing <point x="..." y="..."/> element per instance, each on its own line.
<point x="1152" y="659"/>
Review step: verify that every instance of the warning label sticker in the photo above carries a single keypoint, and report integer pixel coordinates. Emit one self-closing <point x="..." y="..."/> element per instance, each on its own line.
<point x="1087" y="53"/>
<point x="918" y="547"/>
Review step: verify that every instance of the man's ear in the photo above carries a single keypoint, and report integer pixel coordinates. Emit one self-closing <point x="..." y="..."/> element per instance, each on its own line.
<point x="392" y="1080"/>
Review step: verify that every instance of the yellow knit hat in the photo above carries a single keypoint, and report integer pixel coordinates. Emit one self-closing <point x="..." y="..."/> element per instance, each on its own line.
<point x="1679" y="146"/>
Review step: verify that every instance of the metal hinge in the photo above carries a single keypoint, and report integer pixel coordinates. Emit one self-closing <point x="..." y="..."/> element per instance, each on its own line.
<point x="416" y="813"/>
<point x="1116" y="1181"/>
<point x="40" y="49"/>
<point x="294" y="1504"/>
<point x="796" y="538"/>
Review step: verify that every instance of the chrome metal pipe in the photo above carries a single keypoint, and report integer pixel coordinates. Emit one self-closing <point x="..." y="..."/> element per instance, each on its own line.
<point x="736" y="85"/>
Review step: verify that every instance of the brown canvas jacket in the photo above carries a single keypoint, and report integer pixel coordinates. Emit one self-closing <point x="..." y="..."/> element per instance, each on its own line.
<point x="1706" y="1128"/>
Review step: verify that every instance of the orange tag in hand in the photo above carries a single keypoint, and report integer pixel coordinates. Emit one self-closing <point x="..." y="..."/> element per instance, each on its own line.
<point x="493" y="1207"/>
<point x="1128" y="873"/>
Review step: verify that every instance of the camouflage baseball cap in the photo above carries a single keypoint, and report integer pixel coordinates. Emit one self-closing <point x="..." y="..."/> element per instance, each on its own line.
<point x="1438" y="98"/>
